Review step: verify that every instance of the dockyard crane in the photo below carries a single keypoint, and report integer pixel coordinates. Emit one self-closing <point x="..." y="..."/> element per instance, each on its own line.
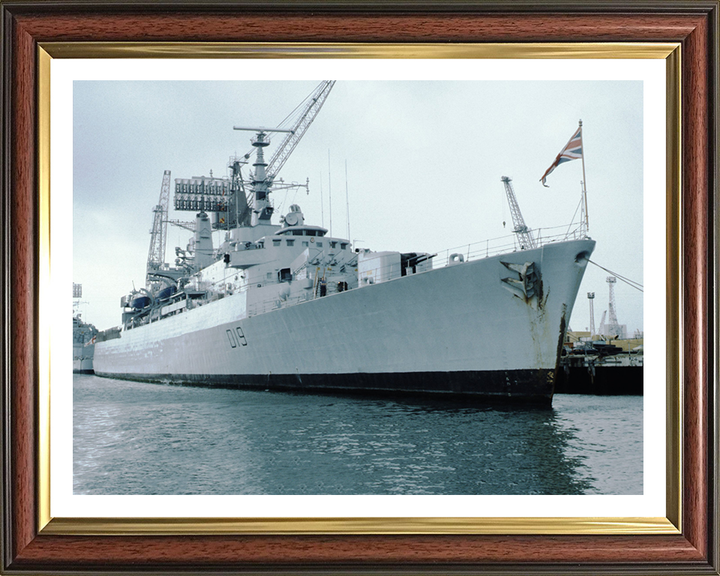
<point x="602" y="331"/>
<point x="185" y="225"/>
<point x="519" y="227"/>
<point x="309" y="113"/>
<point x="158" y="234"/>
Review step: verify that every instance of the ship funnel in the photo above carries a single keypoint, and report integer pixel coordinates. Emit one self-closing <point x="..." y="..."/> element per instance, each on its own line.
<point x="203" y="241"/>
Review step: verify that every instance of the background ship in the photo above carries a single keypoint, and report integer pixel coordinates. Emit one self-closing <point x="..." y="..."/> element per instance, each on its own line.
<point x="83" y="337"/>
<point x="287" y="306"/>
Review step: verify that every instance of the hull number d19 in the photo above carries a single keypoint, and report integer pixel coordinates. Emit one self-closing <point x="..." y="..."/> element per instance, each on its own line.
<point x="236" y="337"/>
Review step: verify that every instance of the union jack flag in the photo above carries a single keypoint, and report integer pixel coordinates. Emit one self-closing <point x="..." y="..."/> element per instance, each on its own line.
<point x="572" y="151"/>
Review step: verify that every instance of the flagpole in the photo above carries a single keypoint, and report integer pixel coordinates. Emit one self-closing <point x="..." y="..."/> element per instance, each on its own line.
<point x="582" y="156"/>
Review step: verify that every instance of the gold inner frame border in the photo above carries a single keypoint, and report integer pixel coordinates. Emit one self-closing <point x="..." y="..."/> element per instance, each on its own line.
<point x="671" y="524"/>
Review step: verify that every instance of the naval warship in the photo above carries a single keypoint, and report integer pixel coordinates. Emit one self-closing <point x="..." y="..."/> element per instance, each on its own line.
<point x="83" y="337"/>
<point x="286" y="306"/>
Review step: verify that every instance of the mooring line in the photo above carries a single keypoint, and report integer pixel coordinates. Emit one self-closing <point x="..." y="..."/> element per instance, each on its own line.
<point x="627" y="281"/>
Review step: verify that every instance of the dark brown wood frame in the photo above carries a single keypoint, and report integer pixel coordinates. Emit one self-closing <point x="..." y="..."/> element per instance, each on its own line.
<point x="25" y="23"/>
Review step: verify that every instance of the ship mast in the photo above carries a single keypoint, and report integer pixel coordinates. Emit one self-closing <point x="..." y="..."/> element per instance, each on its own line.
<point x="261" y="180"/>
<point x="265" y="173"/>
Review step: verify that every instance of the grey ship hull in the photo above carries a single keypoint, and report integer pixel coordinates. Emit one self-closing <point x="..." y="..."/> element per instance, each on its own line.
<point x="458" y="330"/>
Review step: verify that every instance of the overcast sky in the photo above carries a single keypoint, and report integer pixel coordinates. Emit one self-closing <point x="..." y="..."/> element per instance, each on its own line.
<point x="424" y="162"/>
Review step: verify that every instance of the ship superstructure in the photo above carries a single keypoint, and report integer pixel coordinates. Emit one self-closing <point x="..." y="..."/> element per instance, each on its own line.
<point x="286" y="306"/>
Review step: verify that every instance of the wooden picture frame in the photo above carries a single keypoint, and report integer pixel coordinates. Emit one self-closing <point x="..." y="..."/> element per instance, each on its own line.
<point x="30" y="545"/>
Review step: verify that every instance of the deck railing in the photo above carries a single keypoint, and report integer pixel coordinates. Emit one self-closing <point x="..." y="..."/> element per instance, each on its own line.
<point x="508" y="243"/>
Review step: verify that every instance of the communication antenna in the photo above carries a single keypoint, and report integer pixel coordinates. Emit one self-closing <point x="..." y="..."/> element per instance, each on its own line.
<point x="347" y="200"/>
<point x="330" y="192"/>
<point x="322" y="206"/>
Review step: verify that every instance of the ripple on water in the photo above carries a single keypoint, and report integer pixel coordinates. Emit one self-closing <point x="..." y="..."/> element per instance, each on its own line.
<point x="137" y="438"/>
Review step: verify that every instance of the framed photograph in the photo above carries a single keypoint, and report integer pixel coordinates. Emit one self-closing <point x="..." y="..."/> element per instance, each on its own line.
<point x="439" y="128"/>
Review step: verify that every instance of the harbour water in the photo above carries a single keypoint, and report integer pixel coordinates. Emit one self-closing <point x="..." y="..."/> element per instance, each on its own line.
<point x="139" y="438"/>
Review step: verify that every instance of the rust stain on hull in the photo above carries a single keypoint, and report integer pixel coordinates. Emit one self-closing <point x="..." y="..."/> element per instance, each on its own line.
<point x="561" y="339"/>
